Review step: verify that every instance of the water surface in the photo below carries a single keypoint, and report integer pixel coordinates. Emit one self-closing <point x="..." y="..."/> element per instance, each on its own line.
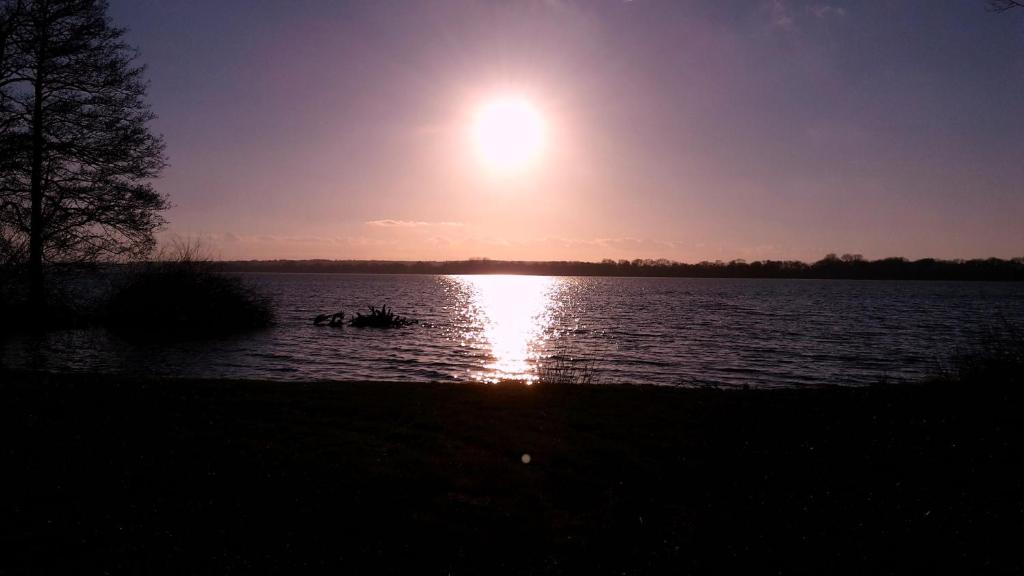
<point x="668" y="331"/>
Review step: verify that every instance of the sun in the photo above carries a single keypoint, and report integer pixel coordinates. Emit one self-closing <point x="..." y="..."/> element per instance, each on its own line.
<point x="509" y="133"/>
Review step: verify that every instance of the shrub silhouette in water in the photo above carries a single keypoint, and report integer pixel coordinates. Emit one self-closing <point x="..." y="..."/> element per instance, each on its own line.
<point x="380" y="318"/>
<point x="184" y="298"/>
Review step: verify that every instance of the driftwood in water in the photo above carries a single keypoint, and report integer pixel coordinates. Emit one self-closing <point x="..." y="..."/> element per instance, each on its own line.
<point x="336" y="319"/>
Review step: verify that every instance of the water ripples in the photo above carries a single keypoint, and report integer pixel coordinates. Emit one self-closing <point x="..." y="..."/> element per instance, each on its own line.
<point x="669" y="331"/>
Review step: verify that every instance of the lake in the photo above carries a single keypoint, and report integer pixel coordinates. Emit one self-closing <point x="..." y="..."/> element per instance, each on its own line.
<point x="666" y="331"/>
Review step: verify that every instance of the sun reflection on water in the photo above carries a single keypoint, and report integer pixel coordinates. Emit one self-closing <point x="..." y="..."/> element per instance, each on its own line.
<point x="512" y="316"/>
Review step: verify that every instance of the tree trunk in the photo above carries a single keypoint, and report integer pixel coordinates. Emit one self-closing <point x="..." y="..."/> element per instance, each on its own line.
<point x="37" y="292"/>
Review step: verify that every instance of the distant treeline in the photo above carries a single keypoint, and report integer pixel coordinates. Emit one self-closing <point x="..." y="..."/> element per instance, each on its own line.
<point x="847" y="266"/>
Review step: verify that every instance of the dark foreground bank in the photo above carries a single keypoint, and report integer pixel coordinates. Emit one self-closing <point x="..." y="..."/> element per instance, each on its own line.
<point x="130" y="476"/>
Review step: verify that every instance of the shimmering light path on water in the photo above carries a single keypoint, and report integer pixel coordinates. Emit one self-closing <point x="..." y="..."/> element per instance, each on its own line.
<point x="514" y="315"/>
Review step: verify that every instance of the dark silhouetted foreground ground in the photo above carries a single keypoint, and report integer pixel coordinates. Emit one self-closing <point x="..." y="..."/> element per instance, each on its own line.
<point x="218" y="477"/>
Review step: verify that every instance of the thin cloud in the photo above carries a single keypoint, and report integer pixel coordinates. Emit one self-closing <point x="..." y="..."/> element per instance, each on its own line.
<point x="827" y="11"/>
<point x="780" y="16"/>
<point x="389" y="223"/>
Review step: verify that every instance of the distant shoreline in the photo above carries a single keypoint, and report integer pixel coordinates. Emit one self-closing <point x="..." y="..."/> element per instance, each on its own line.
<point x="830" y="268"/>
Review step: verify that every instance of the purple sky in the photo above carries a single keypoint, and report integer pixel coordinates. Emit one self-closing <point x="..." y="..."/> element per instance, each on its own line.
<point x="694" y="130"/>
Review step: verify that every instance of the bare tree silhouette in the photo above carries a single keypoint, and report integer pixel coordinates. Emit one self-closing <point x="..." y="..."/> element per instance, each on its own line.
<point x="77" y="154"/>
<point x="13" y="248"/>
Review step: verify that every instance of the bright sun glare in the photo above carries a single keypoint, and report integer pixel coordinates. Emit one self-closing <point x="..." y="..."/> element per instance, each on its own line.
<point x="509" y="133"/>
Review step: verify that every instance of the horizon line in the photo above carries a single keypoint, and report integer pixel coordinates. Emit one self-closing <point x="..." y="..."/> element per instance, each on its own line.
<point x="831" y="257"/>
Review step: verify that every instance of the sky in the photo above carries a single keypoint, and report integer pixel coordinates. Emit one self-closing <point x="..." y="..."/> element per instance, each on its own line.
<point x="688" y="130"/>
